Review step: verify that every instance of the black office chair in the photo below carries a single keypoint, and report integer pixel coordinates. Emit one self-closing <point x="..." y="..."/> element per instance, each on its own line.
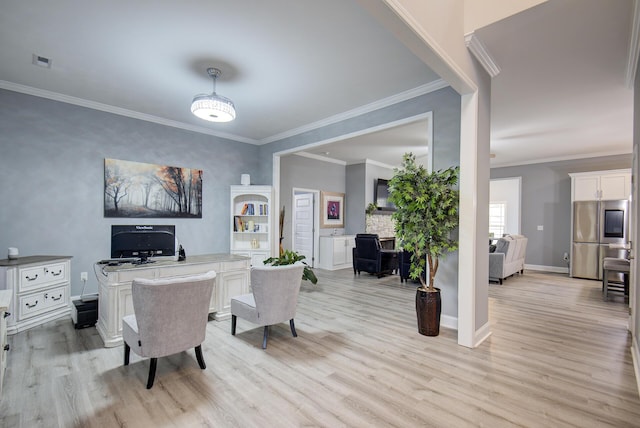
<point x="369" y="256"/>
<point x="404" y="265"/>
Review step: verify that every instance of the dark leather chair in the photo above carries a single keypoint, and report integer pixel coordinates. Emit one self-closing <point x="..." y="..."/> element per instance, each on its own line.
<point x="369" y="256"/>
<point x="404" y="265"/>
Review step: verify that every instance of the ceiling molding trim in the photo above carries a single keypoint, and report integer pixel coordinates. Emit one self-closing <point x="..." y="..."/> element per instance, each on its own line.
<point x="562" y="158"/>
<point x="634" y="47"/>
<point x="367" y="108"/>
<point x="119" y="111"/>
<point x="480" y="52"/>
<point x="376" y="163"/>
<point x="321" y="158"/>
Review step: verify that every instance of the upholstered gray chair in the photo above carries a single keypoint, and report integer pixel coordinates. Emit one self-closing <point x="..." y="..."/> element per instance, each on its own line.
<point x="273" y="300"/>
<point x="170" y="316"/>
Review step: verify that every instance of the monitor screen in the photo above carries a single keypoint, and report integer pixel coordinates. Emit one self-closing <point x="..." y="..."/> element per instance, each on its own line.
<point x="143" y="241"/>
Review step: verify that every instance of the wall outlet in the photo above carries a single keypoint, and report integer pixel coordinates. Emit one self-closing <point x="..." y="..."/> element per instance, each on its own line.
<point x="540" y="227"/>
<point x="83" y="276"/>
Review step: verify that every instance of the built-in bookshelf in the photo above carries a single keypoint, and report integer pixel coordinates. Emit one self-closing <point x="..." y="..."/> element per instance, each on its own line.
<point x="251" y="222"/>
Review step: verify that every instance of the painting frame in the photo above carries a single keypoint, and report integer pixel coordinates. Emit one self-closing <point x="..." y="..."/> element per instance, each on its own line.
<point x="332" y="210"/>
<point x="144" y="190"/>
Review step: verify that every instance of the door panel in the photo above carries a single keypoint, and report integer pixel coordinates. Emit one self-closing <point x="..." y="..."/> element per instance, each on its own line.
<point x="303" y="227"/>
<point x="585" y="221"/>
<point x="585" y="261"/>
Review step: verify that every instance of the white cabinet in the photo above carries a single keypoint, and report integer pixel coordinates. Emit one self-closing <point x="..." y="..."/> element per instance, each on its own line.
<point x="251" y="222"/>
<point x="601" y="185"/>
<point x="5" y="302"/>
<point x="114" y="289"/>
<point x="336" y="252"/>
<point x="40" y="286"/>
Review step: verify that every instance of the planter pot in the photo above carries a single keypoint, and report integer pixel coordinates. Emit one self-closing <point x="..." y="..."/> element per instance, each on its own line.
<point x="428" y="308"/>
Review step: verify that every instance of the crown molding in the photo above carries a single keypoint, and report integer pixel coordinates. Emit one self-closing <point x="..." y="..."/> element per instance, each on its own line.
<point x="634" y="47"/>
<point x="320" y="158"/>
<point x="119" y="111"/>
<point x="381" y="164"/>
<point x="559" y="159"/>
<point x="385" y="102"/>
<point x="480" y="52"/>
<point x="376" y="105"/>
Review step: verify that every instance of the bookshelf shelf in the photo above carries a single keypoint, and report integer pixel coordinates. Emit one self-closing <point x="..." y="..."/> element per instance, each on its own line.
<point x="251" y="222"/>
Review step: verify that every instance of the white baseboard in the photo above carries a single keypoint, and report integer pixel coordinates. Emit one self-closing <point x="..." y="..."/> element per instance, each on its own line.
<point x="635" y="355"/>
<point x="542" y="268"/>
<point x="449" y="321"/>
<point x="482" y="334"/>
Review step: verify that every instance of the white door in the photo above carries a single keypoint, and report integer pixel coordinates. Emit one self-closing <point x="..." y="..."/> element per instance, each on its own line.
<point x="303" y="226"/>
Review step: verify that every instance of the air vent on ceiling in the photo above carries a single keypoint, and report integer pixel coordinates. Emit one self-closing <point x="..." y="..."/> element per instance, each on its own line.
<point x="41" y="61"/>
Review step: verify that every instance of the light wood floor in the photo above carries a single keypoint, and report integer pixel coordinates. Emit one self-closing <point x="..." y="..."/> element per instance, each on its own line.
<point x="558" y="357"/>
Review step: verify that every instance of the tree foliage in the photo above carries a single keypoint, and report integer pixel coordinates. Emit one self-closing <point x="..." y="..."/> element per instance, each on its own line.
<point x="426" y="214"/>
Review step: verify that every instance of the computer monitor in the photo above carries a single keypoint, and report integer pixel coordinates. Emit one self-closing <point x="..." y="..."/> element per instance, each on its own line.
<point x="142" y="242"/>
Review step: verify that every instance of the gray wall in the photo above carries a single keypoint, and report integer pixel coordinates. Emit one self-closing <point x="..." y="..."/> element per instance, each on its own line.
<point x="546" y="201"/>
<point x="356" y="189"/>
<point x="312" y="174"/>
<point x="52" y="174"/>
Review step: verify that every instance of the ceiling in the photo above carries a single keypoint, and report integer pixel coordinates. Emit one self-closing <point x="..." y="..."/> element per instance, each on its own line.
<point x="292" y="66"/>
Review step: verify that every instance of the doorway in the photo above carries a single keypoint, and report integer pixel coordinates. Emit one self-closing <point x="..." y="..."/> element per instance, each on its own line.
<point x="305" y="224"/>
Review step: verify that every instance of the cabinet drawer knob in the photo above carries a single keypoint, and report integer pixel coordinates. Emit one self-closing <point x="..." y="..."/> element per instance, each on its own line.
<point x="6" y="347"/>
<point x="7" y="314"/>
<point x="32" y="306"/>
<point x="31" y="278"/>
<point x="56" y="298"/>
<point x="57" y="273"/>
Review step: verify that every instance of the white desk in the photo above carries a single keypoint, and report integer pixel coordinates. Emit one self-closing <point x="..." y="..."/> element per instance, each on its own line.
<point x="114" y="290"/>
<point x="5" y="302"/>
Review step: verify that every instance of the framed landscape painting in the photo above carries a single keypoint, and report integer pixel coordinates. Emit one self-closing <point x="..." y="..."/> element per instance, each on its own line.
<point x="332" y="206"/>
<point x="134" y="189"/>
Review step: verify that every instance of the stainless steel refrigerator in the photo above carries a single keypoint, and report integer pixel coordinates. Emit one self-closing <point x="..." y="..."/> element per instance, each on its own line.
<point x="600" y="228"/>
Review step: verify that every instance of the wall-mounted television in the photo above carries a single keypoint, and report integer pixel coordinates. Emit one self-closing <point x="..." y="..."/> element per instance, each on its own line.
<point x="381" y="195"/>
<point x="142" y="242"/>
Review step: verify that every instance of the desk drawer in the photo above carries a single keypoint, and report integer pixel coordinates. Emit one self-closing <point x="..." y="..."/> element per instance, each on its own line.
<point x="238" y="265"/>
<point x="43" y="301"/>
<point x="37" y="277"/>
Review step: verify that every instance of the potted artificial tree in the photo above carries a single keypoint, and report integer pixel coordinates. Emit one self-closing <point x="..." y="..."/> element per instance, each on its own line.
<point x="426" y="214"/>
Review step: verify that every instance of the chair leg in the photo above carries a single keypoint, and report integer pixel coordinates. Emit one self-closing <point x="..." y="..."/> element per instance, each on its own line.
<point x="605" y="285"/>
<point x="127" y="350"/>
<point x="233" y="325"/>
<point x="626" y="284"/>
<point x="199" y="357"/>
<point x="293" y="328"/>
<point x="152" y="372"/>
<point x="266" y="335"/>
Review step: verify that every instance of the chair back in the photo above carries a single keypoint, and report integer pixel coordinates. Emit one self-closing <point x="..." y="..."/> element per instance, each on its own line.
<point x="367" y="246"/>
<point x="172" y="313"/>
<point x="275" y="291"/>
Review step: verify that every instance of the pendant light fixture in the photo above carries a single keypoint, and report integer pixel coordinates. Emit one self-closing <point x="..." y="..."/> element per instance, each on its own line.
<point x="213" y="107"/>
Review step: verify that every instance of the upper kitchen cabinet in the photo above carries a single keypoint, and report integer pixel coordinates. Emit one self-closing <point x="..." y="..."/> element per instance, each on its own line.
<point x="601" y="185"/>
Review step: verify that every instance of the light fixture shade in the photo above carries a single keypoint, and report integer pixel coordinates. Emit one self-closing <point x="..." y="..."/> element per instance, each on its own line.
<point x="213" y="107"/>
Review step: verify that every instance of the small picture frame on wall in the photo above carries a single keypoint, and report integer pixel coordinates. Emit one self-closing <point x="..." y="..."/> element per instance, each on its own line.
<point x="332" y="210"/>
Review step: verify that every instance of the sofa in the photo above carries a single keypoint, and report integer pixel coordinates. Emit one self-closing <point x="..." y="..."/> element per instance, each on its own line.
<point x="508" y="257"/>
